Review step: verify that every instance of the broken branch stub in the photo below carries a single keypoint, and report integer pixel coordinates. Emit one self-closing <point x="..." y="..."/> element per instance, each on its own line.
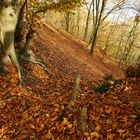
<point x="76" y="87"/>
<point x="75" y="92"/>
<point x="83" y="118"/>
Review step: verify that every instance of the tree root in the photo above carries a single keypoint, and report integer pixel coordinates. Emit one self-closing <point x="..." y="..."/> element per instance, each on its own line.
<point x="29" y="56"/>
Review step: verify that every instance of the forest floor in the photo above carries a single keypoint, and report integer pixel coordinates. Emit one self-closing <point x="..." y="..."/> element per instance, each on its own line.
<point x="37" y="111"/>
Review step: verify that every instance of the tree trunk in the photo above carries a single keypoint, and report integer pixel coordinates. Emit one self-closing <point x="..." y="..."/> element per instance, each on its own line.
<point x="67" y="18"/>
<point x="87" y="22"/>
<point x="78" y="22"/>
<point x="97" y="23"/>
<point x="8" y="21"/>
<point x="126" y="47"/>
<point x="19" y="27"/>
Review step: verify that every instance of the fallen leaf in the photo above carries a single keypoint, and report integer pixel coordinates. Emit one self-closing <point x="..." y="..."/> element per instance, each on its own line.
<point x="49" y="135"/>
<point x="94" y="135"/>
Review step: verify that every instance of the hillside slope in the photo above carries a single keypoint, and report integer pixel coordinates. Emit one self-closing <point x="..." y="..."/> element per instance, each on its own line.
<point x="68" y="55"/>
<point x="38" y="110"/>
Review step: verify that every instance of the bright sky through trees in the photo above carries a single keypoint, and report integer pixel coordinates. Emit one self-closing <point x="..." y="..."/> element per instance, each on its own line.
<point x="129" y="10"/>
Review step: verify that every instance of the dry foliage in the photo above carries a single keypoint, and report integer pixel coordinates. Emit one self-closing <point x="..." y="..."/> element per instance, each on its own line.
<point x="133" y="71"/>
<point x="38" y="110"/>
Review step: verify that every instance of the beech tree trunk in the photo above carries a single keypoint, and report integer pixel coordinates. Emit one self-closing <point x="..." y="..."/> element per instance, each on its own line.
<point x="97" y="22"/>
<point x="19" y="27"/>
<point x="8" y="21"/>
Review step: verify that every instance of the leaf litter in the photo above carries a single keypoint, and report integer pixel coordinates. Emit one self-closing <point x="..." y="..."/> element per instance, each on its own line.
<point x="38" y="110"/>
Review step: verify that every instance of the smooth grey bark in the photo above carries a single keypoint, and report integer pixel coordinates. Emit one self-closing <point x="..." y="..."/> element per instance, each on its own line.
<point x="8" y="21"/>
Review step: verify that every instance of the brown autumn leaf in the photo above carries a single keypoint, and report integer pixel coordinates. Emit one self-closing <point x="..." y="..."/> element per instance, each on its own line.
<point x="108" y="110"/>
<point x="32" y="126"/>
<point x="110" y="136"/>
<point x="65" y="121"/>
<point x="94" y="135"/>
<point x="49" y="135"/>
